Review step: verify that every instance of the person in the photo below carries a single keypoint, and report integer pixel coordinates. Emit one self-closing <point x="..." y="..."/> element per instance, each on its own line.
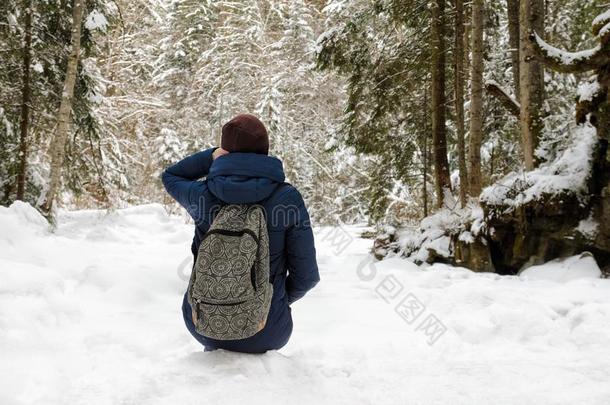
<point x="242" y="172"/>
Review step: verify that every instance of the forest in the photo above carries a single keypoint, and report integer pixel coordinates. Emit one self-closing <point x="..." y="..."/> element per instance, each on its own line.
<point x="383" y="111"/>
<point x="466" y="136"/>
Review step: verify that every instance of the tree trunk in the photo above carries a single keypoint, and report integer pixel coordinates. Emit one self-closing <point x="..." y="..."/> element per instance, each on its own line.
<point x="439" y="102"/>
<point x="426" y="158"/>
<point x="425" y="176"/>
<point x="476" y="99"/>
<point x="513" y="40"/>
<point x="57" y="148"/>
<point x="458" y="55"/>
<point x="26" y="95"/>
<point x="467" y="15"/>
<point x="531" y="80"/>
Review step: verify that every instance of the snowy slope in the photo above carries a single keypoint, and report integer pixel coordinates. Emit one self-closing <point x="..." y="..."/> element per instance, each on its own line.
<point x="91" y="315"/>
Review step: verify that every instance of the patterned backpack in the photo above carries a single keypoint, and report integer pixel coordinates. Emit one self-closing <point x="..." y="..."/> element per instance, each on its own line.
<point x="229" y="290"/>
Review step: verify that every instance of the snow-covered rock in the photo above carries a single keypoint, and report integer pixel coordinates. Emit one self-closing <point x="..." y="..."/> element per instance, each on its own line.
<point x="453" y="235"/>
<point x="582" y="266"/>
<point x="433" y="236"/>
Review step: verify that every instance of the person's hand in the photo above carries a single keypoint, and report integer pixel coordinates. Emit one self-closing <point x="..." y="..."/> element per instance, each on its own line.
<point x="218" y="153"/>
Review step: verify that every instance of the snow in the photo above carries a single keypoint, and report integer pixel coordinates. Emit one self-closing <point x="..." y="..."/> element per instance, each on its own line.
<point x="91" y="314"/>
<point x="603" y="18"/>
<point x="440" y="246"/>
<point x="578" y="267"/>
<point x="566" y="174"/>
<point x="588" y="90"/>
<point x="467" y="237"/>
<point x="19" y="222"/>
<point x="434" y="231"/>
<point x="335" y="6"/>
<point x="38" y="67"/>
<point x="588" y="227"/>
<point x="12" y="20"/>
<point x="565" y="57"/>
<point x="96" y="21"/>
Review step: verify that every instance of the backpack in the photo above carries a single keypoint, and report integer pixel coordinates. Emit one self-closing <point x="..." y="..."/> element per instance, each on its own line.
<point x="229" y="290"/>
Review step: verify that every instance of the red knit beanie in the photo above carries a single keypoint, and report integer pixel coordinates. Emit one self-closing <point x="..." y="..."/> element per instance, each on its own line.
<point x="245" y="133"/>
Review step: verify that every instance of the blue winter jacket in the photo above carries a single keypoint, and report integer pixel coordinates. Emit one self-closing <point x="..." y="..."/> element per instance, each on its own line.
<point x="247" y="178"/>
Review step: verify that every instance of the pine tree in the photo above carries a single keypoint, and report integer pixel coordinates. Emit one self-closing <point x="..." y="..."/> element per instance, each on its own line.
<point x="23" y="174"/>
<point x="378" y="48"/>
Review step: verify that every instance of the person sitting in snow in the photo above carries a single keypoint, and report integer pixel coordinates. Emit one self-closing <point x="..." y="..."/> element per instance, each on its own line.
<point x="240" y="171"/>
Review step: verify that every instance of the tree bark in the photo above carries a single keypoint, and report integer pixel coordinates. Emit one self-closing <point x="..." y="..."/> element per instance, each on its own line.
<point x="26" y="95"/>
<point x="426" y="157"/>
<point x="425" y="176"/>
<point x="439" y="102"/>
<point x="458" y="55"/>
<point x="531" y="80"/>
<point x="57" y="148"/>
<point x="466" y="43"/>
<point x="476" y="99"/>
<point x="513" y="40"/>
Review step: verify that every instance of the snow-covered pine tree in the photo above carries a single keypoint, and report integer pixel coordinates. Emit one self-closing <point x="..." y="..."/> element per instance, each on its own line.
<point x="381" y="47"/>
<point x="270" y="47"/>
<point x="50" y="33"/>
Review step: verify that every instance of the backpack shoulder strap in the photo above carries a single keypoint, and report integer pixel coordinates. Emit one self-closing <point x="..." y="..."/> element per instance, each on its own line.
<point x="272" y="277"/>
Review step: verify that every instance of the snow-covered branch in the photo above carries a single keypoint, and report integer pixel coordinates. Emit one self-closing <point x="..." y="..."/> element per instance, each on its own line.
<point x="501" y="95"/>
<point x="601" y="23"/>
<point x="569" y="62"/>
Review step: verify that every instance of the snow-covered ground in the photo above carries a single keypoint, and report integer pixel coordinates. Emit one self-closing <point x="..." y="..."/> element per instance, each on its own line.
<point x="91" y="315"/>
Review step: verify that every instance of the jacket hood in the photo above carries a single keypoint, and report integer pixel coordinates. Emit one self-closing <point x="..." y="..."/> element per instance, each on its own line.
<point x="245" y="178"/>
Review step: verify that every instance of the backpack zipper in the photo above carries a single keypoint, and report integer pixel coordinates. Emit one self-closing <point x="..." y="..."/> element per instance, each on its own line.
<point x="227" y="232"/>
<point x="221" y="304"/>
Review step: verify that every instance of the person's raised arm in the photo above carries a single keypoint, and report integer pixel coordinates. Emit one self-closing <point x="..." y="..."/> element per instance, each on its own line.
<point x="301" y="253"/>
<point x="181" y="180"/>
